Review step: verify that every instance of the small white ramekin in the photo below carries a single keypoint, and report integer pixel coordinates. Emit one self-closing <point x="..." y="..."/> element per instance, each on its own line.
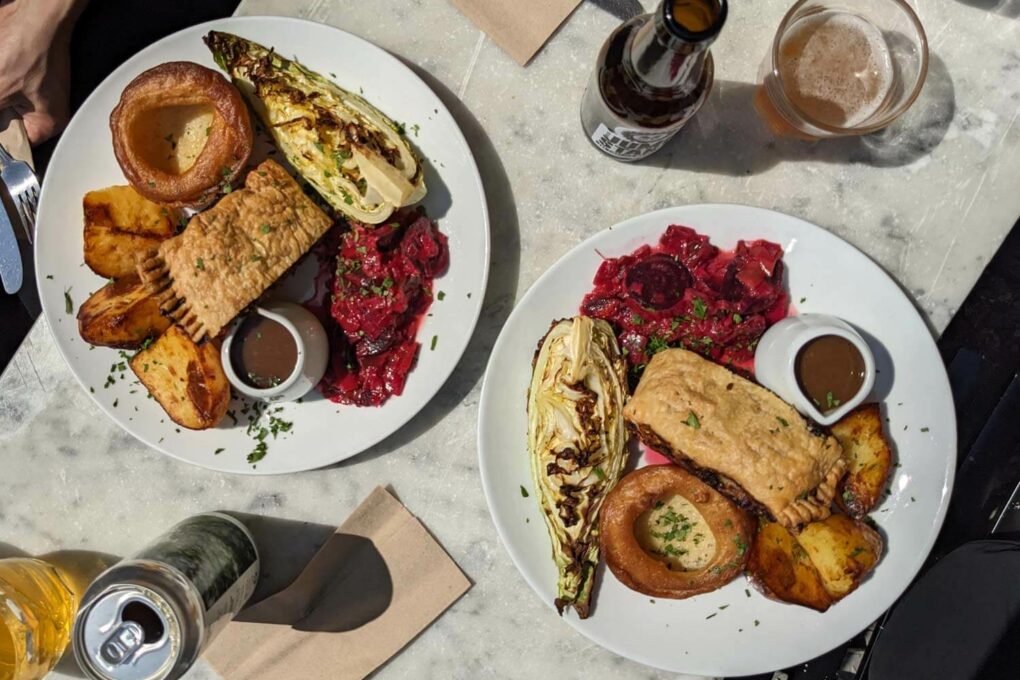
<point x="775" y="361"/>
<point x="312" y="353"/>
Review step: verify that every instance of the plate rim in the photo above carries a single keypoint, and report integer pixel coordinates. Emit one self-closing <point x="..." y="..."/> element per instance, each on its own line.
<point x="486" y="396"/>
<point x="459" y="139"/>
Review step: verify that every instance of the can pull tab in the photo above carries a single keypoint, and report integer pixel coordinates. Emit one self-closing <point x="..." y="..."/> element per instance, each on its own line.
<point x="123" y="642"/>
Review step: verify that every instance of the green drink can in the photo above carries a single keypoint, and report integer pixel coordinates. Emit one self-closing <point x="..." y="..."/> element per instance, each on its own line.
<point x="150" y="616"/>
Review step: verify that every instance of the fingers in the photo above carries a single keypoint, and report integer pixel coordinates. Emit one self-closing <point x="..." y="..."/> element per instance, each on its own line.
<point x="45" y="111"/>
<point x="41" y="126"/>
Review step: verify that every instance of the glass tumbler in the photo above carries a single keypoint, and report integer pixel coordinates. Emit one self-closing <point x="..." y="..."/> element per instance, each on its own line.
<point x="842" y="67"/>
<point x="37" y="609"/>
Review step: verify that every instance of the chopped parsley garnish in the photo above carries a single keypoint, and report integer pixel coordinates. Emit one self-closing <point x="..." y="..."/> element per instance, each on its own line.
<point x="524" y="492"/>
<point x="440" y="295"/>
<point x="68" y="303"/>
<point x="599" y="473"/>
<point x="265" y="228"/>
<point x="830" y="401"/>
<point x="218" y="451"/>
<point x="711" y="615"/>
<point x="636" y="319"/>
<point x="656" y="344"/>
<point x="803" y="300"/>
<point x="200" y="264"/>
<point x="692" y="420"/>
<point x="699" y="307"/>
<point x="435" y="339"/>
<point x="783" y="421"/>
<point x="737" y="318"/>
<point x="924" y="429"/>
<point x="258" y="453"/>
<point x="741" y="545"/>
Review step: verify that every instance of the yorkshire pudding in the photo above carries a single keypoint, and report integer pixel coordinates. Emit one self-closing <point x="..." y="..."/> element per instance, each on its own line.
<point x="180" y="133"/>
<point x="666" y="533"/>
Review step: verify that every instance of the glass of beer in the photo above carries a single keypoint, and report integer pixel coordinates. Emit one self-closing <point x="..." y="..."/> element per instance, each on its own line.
<point x="842" y="67"/>
<point x="37" y="608"/>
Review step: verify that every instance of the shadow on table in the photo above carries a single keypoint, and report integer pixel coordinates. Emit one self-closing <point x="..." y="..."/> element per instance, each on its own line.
<point x="621" y="9"/>
<point x="502" y="286"/>
<point x="728" y="138"/>
<point x="1006" y="8"/>
<point x="346" y="586"/>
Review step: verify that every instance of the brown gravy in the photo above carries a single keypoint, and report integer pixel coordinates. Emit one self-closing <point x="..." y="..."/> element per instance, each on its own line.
<point x="830" y="371"/>
<point x="263" y="352"/>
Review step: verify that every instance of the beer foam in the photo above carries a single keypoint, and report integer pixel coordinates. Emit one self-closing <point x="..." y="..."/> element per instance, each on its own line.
<point x="836" y="67"/>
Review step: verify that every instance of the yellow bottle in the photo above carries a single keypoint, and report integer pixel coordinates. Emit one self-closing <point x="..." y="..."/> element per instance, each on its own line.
<point x="37" y="608"/>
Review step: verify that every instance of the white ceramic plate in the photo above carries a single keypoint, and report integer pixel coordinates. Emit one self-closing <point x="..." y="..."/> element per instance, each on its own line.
<point x="323" y="432"/>
<point x="748" y="633"/>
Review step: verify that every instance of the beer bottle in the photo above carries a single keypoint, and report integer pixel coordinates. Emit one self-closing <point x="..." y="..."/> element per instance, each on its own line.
<point x="652" y="75"/>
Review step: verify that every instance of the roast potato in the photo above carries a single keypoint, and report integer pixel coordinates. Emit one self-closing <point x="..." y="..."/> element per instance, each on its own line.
<point x="119" y="223"/>
<point x="843" y="550"/>
<point x="121" y="315"/>
<point x="868" y="456"/>
<point x="781" y="568"/>
<point x="186" y="379"/>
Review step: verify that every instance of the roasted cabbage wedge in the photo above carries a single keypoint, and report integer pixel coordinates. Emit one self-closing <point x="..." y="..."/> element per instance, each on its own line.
<point x="119" y="223"/>
<point x="356" y="157"/>
<point x="577" y="444"/>
<point x="121" y="314"/>
<point x="819" y="566"/>
<point x="869" y="459"/>
<point x="186" y="378"/>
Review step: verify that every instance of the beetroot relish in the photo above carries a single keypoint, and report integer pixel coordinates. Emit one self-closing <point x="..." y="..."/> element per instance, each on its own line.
<point x="685" y="292"/>
<point x="380" y="292"/>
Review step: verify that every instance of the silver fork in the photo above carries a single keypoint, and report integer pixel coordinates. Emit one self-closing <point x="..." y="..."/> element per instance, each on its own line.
<point x="23" y="186"/>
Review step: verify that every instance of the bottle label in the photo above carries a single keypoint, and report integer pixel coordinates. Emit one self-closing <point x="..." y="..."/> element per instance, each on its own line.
<point x="630" y="144"/>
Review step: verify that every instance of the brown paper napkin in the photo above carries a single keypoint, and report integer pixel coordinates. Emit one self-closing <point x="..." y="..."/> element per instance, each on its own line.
<point x="520" y="27"/>
<point x="373" y="586"/>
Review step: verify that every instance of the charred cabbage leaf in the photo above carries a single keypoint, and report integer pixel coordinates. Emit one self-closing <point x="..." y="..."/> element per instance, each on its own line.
<point x="576" y="440"/>
<point x="351" y="152"/>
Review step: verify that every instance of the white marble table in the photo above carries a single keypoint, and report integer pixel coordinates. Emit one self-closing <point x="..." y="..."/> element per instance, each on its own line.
<point x="930" y="202"/>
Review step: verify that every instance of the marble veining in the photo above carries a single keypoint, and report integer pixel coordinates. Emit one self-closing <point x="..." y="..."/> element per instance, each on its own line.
<point x="929" y="199"/>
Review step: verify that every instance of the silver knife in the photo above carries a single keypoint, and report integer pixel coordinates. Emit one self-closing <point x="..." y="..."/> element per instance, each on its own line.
<point x="11" y="272"/>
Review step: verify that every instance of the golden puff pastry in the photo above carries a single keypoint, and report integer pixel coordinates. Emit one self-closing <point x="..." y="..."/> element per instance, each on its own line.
<point x="230" y="254"/>
<point x="737" y="436"/>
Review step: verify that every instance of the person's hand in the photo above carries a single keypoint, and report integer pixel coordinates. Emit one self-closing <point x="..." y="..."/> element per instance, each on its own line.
<point x="34" y="63"/>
